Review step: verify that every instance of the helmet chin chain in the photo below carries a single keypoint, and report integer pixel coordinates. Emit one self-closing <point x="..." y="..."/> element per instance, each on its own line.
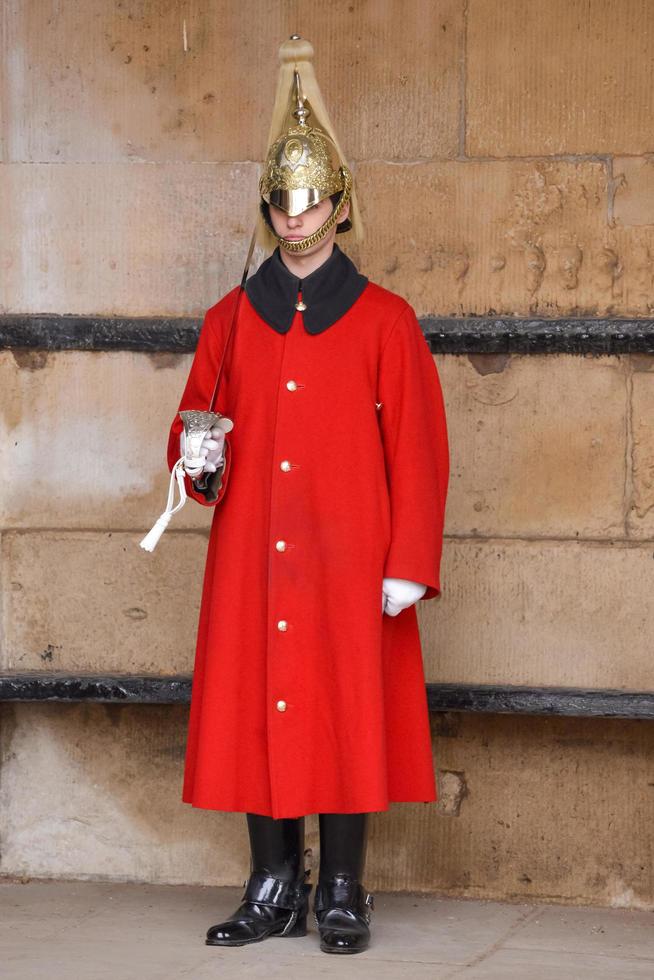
<point x="318" y="235"/>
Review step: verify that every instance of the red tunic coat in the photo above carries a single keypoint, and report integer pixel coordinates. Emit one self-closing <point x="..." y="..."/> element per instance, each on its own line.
<point x="328" y="714"/>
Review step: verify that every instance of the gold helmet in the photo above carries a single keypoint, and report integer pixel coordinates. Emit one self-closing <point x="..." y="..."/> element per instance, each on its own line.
<point x="304" y="163"/>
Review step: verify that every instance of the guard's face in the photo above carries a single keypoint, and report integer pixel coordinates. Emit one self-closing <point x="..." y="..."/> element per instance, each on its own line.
<point x="303" y="225"/>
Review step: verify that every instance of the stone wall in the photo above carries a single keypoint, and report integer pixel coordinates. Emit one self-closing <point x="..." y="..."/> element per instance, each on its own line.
<point x="501" y="152"/>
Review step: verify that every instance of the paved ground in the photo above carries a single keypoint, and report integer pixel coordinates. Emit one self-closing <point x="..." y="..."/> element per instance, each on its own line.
<point x="103" y="931"/>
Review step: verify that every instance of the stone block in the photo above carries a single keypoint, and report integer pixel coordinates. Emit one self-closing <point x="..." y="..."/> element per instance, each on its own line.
<point x="519" y="237"/>
<point x="83" y="601"/>
<point x="553" y="812"/>
<point x="123" y="238"/>
<point x="558" y="77"/>
<point x="641" y="513"/>
<point x="83" y="440"/>
<point x="631" y="250"/>
<point x="537" y="445"/>
<point x="542" y="613"/>
<point x="100" y="797"/>
<point x="633" y="203"/>
<point x="197" y="83"/>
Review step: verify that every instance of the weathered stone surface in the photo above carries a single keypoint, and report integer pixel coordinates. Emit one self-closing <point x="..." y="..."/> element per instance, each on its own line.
<point x="83" y="440"/>
<point x="631" y="251"/>
<point x="536" y="815"/>
<point x="571" y="613"/>
<point x="197" y="83"/>
<point x="566" y="76"/>
<point x="537" y="445"/>
<point x="641" y="513"/>
<point x="528" y="238"/>
<point x="125" y="237"/>
<point x="633" y="203"/>
<point x="103" y="798"/>
<point x="97" y="602"/>
<point x="522" y="237"/>
<point x="544" y="801"/>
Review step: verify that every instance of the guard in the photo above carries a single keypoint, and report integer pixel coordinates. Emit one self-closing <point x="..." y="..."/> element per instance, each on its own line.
<point x="329" y="497"/>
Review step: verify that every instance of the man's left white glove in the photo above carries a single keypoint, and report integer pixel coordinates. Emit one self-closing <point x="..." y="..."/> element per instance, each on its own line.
<point x="211" y="449"/>
<point x="399" y="593"/>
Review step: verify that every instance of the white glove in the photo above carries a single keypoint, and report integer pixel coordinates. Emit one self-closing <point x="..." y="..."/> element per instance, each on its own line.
<point x="399" y="593"/>
<point x="211" y="448"/>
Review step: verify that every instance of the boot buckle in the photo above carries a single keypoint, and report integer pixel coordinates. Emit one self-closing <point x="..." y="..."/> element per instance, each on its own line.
<point x="264" y="889"/>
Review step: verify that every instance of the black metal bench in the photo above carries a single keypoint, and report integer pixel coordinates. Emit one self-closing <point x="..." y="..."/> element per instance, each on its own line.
<point x="445" y="335"/>
<point x="484" y="698"/>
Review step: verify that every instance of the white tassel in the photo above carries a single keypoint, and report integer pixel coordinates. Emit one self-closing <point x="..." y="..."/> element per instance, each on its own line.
<point x="150" y="541"/>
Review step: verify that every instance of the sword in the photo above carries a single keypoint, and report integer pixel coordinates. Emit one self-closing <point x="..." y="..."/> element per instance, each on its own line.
<point x="197" y="424"/>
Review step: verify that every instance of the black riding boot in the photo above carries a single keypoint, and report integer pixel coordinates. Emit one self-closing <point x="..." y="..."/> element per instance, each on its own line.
<point x="341" y="904"/>
<point x="276" y="895"/>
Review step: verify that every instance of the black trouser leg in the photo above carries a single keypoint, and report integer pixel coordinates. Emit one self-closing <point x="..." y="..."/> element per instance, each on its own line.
<point x="276" y="846"/>
<point x="276" y="897"/>
<point x="343" y="844"/>
<point x="342" y="905"/>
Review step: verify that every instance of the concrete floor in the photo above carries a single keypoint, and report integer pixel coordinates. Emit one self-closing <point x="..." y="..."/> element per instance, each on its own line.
<point x="99" y="930"/>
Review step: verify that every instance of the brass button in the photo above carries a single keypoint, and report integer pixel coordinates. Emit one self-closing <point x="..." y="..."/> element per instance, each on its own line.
<point x="285" y="465"/>
<point x="281" y="705"/>
<point x="280" y="545"/>
<point x="282" y="625"/>
<point x="291" y="385"/>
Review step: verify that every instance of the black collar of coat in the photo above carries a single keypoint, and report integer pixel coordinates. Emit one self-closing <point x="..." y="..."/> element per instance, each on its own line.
<point x="328" y="292"/>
